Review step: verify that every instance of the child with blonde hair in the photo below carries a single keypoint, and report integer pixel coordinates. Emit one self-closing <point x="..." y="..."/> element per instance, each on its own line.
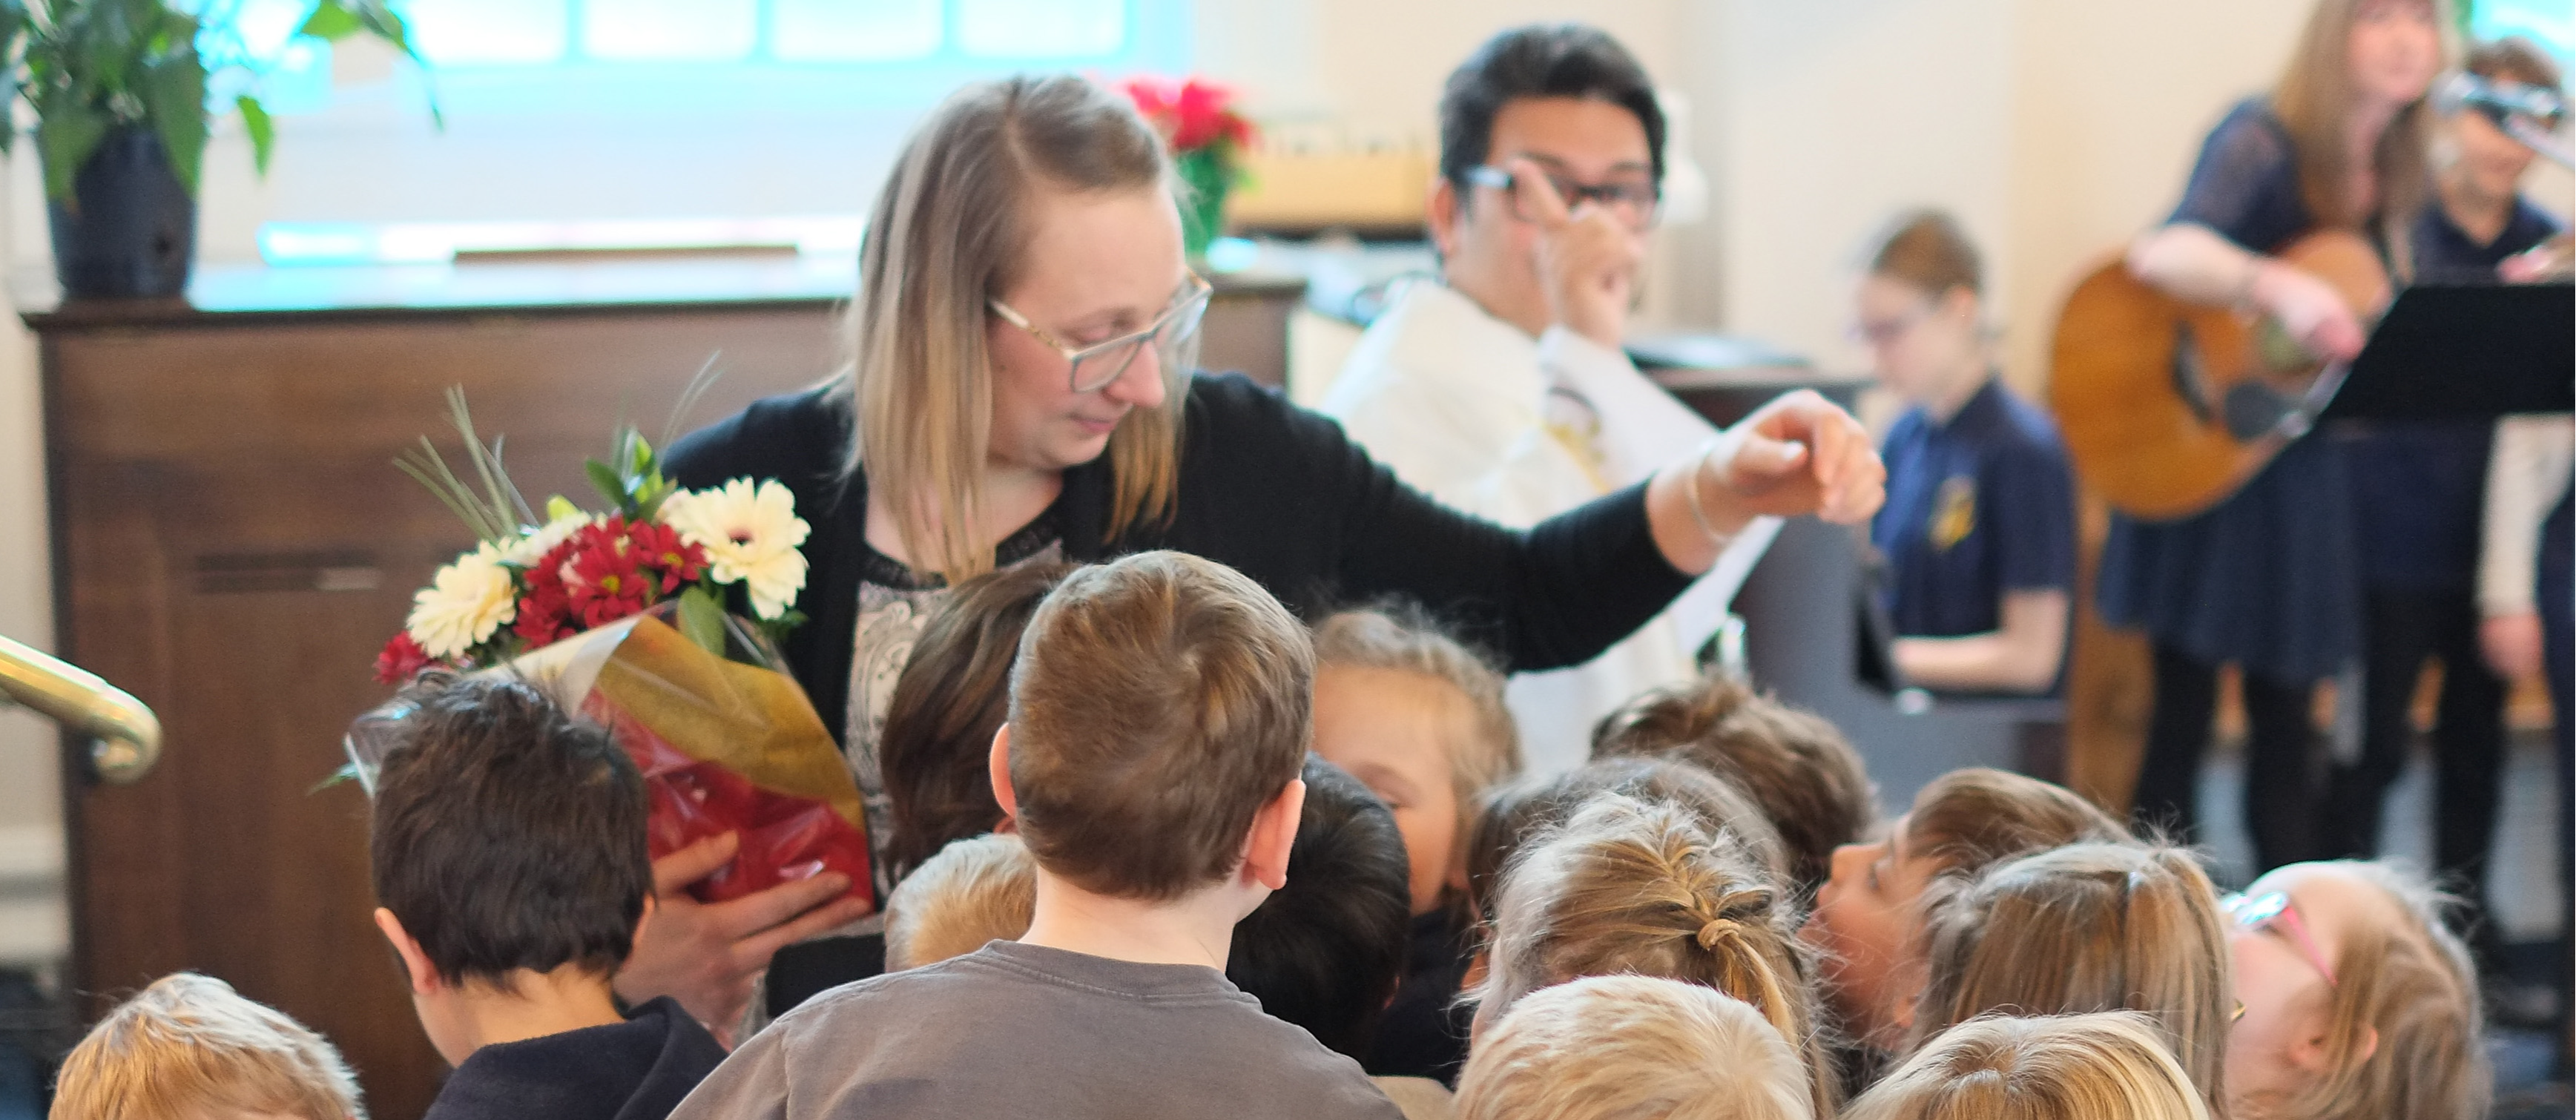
<point x="1615" y="1047"/>
<point x="2086" y="927"/>
<point x="1868" y="916"/>
<point x="1628" y="886"/>
<point x="2109" y="1065"/>
<point x="1518" y="812"/>
<point x="1418" y="718"/>
<point x="189" y="1046"/>
<point x="2354" y="999"/>
<point x="973" y="891"/>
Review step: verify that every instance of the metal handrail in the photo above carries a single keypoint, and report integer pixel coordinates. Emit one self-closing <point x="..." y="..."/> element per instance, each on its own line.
<point x="127" y="734"/>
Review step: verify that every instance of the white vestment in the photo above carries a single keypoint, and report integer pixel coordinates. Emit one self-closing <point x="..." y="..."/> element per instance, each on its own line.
<point x="1479" y="415"/>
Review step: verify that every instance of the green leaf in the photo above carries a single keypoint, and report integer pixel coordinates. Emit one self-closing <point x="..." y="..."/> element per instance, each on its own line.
<point x="559" y="507"/>
<point x="605" y="478"/>
<point x="331" y="21"/>
<point x="174" y="104"/>
<point x="702" y="619"/>
<point x="65" y="139"/>
<point x="262" y="130"/>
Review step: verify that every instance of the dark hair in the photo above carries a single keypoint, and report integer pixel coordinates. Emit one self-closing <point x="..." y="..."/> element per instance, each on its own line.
<point x="1794" y="764"/>
<point x="1516" y="812"/>
<point x="506" y="833"/>
<point x="1325" y="951"/>
<point x="2513" y="60"/>
<point x="1159" y="703"/>
<point x="953" y="695"/>
<point x="1540" y="60"/>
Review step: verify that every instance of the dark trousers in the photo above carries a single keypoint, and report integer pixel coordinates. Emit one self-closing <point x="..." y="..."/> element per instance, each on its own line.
<point x="2400" y="630"/>
<point x="2280" y="770"/>
<point x="2558" y="649"/>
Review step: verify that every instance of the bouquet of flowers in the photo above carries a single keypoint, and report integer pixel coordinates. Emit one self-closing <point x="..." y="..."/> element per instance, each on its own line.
<point x="628" y="617"/>
<point x="1207" y="138"/>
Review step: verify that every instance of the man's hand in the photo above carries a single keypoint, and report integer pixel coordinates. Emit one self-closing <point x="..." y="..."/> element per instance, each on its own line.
<point x="708" y="955"/>
<point x="1587" y="258"/>
<point x="1798" y="454"/>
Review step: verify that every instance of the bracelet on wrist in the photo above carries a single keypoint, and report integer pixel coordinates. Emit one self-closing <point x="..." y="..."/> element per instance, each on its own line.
<point x="1699" y="511"/>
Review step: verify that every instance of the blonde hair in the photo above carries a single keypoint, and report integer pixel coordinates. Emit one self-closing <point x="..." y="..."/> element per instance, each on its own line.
<point x="1628" y="886"/>
<point x="944" y="239"/>
<point x="2313" y="98"/>
<point x="2087" y="927"/>
<point x="190" y="1045"/>
<point x="1617" y="1047"/>
<point x="2109" y="1065"/>
<point x="980" y="889"/>
<point x="1405" y="640"/>
<point x="1517" y="813"/>
<point x="1159" y="702"/>
<point x="1971" y="818"/>
<point x="2417" y="989"/>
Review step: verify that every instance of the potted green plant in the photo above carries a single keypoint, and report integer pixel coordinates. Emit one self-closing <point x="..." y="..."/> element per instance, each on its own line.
<point x="119" y="89"/>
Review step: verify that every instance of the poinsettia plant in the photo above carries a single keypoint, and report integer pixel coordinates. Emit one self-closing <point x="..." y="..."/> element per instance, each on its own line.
<point x="530" y="582"/>
<point x="1207" y="137"/>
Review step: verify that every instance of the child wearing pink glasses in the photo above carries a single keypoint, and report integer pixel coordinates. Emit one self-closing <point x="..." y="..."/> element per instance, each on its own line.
<point x="2353" y="999"/>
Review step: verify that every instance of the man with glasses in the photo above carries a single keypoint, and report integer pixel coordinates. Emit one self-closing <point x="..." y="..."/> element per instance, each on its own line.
<point x="1501" y="388"/>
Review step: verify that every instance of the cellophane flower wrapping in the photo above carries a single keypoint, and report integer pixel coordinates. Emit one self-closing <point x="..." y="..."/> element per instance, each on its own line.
<point x="725" y="744"/>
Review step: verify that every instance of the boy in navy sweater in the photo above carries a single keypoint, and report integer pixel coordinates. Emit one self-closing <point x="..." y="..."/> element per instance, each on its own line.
<point x="509" y="860"/>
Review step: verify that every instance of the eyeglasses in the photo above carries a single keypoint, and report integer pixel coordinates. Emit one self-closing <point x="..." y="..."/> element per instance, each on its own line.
<point x="2274" y="910"/>
<point x="1887" y="331"/>
<point x="1174" y="334"/>
<point x="1637" y="202"/>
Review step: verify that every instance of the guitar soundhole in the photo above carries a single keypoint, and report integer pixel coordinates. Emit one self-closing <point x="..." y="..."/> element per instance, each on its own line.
<point x="2254" y="409"/>
<point x="2190" y="378"/>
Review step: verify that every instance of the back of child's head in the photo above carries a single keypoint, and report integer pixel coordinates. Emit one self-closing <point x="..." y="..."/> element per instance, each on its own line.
<point x="1516" y="812"/>
<point x="1968" y="819"/>
<point x="508" y="834"/>
<point x="189" y="1046"/>
<point x="954" y="693"/>
<point x="2083" y="928"/>
<point x="1403" y="639"/>
<point x="2109" y="1065"/>
<point x="1325" y="951"/>
<point x="2404" y="1025"/>
<point x="1643" y="887"/>
<point x="1623" y="1047"/>
<point x="982" y="888"/>
<point x="1795" y="765"/>
<point x="1159" y="703"/>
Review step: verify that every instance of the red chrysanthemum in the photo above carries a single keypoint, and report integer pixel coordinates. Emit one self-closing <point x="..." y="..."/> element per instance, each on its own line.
<point x="608" y="572"/>
<point x="544" y="612"/>
<point x="1191" y="115"/>
<point x="401" y="660"/>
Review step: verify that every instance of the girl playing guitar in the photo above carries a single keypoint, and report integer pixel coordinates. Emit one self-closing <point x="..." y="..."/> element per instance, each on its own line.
<point x="2267" y="579"/>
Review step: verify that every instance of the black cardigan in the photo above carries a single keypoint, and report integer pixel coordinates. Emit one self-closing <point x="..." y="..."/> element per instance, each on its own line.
<point x="1265" y="487"/>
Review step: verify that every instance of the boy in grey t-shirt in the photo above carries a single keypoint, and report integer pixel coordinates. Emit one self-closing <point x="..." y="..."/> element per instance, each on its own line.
<point x="1158" y="721"/>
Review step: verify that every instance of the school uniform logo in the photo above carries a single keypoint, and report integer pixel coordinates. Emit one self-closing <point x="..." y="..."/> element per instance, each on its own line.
<point x="1954" y="512"/>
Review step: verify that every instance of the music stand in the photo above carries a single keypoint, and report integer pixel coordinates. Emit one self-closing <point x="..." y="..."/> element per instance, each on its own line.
<point x="2458" y="350"/>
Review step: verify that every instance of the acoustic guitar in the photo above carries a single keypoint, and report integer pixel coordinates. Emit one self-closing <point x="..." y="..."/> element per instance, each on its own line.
<point x="2167" y="406"/>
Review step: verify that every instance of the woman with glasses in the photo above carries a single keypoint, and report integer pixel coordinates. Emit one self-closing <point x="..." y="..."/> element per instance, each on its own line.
<point x="1978" y="533"/>
<point x="1021" y="388"/>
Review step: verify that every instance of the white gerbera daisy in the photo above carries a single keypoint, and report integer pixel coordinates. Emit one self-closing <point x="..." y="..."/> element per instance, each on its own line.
<point x="460" y="609"/>
<point x="750" y="534"/>
<point x="527" y="550"/>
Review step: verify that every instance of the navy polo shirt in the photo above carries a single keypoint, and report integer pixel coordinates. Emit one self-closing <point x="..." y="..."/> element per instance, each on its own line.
<point x="2419" y="486"/>
<point x="1976" y="507"/>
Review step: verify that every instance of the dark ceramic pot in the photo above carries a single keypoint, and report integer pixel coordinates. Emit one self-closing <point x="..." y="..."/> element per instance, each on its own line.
<point x="130" y="228"/>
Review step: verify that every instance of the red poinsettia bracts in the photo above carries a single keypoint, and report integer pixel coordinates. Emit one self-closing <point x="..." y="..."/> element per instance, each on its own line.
<point x="1190" y="114"/>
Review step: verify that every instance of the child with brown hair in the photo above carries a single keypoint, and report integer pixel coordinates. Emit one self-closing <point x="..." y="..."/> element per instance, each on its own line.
<point x="984" y="888"/>
<point x="2110" y="1065"/>
<point x="1868" y="916"/>
<point x="1418" y="718"/>
<point x="1794" y="764"/>
<point x="1618" y="1047"/>
<point x="1159" y="716"/>
<point x="2086" y="927"/>
<point x="2354" y="999"/>
<point x="1629" y="886"/>
<point x="1516" y="813"/>
<point x="189" y="1046"/>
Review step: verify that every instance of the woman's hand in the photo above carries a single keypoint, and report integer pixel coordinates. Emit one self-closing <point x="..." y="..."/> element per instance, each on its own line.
<point x="2308" y="308"/>
<point x="1799" y="454"/>
<point x="2512" y="643"/>
<point x="708" y="956"/>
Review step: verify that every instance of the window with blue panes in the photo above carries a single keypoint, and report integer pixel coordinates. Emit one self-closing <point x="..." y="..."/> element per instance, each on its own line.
<point x="2549" y="23"/>
<point x="556" y="54"/>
